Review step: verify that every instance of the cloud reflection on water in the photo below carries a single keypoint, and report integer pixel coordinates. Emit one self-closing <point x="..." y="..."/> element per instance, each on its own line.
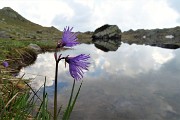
<point x="128" y="60"/>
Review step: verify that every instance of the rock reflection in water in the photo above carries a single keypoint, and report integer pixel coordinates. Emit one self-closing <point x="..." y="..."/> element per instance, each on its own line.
<point x="107" y="44"/>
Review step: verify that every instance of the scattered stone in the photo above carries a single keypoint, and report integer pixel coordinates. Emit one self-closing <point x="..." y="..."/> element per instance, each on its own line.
<point x="35" y="47"/>
<point x="39" y="31"/>
<point x="3" y="34"/>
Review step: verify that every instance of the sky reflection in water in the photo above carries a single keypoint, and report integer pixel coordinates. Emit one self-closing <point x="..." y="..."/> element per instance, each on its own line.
<point x="135" y="82"/>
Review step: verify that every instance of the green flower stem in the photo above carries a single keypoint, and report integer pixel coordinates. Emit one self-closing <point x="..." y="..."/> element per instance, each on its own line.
<point x="55" y="92"/>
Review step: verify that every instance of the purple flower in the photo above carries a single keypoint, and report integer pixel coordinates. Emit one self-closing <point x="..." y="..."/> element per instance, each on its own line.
<point x="5" y="64"/>
<point x="77" y="64"/>
<point x="69" y="38"/>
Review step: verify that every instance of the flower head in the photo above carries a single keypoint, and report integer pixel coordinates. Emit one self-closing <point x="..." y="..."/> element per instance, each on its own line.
<point x="5" y="64"/>
<point x="77" y="64"/>
<point x="69" y="38"/>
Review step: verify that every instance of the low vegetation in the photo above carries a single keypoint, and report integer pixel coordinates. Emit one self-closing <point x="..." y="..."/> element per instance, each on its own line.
<point x="18" y="102"/>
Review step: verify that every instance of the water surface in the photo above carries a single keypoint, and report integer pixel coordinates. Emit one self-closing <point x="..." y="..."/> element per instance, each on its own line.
<point x="136" y="82"/>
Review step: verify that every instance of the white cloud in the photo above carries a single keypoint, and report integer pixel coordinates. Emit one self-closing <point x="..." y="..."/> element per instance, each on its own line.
<point x="87" y="15"/>
<point x="161" y="57"/>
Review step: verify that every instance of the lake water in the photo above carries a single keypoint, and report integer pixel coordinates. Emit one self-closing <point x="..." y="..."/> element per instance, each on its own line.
<point x="136" y="82"/>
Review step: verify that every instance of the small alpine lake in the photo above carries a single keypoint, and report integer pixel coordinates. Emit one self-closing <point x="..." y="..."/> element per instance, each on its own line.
<point x="136" y="82"/>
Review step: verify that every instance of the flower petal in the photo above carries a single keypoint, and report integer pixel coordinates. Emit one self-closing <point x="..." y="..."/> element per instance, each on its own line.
<point x="77" y="65"/>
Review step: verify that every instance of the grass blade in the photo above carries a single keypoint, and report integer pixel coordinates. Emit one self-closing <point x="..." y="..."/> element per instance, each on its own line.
<point x="66" y="114"/>
<point x="72" y="106"/>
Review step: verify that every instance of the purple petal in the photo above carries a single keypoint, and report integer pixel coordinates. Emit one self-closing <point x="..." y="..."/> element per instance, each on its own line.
<point x="77" y="65"/>
<point x="69" y="38"/>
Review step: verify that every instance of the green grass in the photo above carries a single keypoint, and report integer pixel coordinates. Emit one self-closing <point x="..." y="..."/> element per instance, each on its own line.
<point x="18" y="103"/>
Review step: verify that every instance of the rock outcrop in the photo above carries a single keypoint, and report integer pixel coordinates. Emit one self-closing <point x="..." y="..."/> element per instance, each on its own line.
<point x="107" y="32"/>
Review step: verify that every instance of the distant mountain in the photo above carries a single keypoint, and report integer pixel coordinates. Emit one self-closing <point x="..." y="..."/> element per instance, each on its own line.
<point x="15" y="26"/>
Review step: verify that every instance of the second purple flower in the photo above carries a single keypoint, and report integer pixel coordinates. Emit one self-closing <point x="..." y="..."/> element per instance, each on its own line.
<point x="77" y="64"/>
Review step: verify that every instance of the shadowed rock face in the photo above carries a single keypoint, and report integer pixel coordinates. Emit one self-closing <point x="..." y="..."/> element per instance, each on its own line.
<point x="107" y="44"/>
<point x="107" y="32"/>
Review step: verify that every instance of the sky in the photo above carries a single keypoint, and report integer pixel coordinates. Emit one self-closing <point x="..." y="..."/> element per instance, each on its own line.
<point x="87" y="15"/>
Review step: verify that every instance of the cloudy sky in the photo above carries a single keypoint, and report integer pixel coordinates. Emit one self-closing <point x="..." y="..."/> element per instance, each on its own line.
<point x="87" y="15"/>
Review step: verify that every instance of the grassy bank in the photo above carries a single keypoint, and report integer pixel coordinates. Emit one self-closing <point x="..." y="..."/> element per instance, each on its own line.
<point x="19" y="54"/>
<point x="16" y="100"/>
<point x="9" y="47"/>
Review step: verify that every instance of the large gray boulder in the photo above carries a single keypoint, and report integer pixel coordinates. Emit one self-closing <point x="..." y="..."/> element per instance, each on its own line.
<point x="107" y="32"/>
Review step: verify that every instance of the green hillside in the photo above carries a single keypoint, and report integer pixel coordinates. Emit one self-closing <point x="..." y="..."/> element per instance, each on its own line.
<point x="14" y="26"/>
